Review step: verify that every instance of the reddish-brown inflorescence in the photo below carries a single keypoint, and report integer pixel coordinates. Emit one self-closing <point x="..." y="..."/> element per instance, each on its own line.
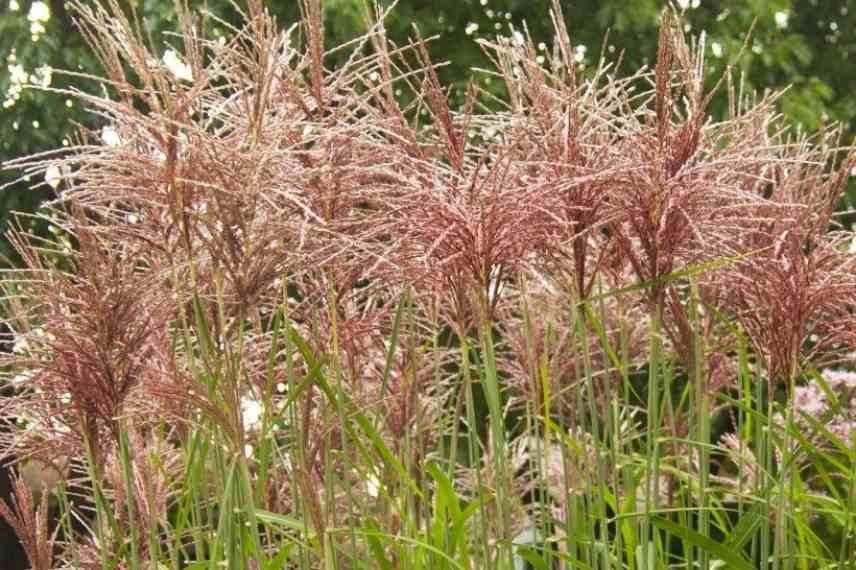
<point x="31" y="524"/>
<point x="244" y="184"/>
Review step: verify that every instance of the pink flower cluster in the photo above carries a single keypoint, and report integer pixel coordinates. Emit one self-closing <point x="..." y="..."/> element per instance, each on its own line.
<point x="832" y="405"/>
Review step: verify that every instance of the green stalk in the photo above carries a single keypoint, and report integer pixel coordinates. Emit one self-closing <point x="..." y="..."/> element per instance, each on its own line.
<point x="783" y="548"/>
<point x="763" y="441"/>
<point x="497" y="426"/>
<point x="652" y="465"/>
<point x="472" y="438"/>
<point x="599" y="507"/>
<point x="702" y="416"/>
<point x="332" y="302"/>
<point x="128" y="481"/>
<point x="103" y="515"/>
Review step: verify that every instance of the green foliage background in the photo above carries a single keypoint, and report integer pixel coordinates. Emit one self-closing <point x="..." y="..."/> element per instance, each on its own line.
<point x="813" y="54"/>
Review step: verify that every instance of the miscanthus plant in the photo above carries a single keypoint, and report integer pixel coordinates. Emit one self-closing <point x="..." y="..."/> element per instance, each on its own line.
<point x="297" y="315"/>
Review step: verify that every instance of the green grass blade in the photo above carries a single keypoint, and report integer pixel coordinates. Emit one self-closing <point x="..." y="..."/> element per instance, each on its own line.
<point x="733" y="560"/>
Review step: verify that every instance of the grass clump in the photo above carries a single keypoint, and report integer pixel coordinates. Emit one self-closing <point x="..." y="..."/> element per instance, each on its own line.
<point x="303" y="317"/>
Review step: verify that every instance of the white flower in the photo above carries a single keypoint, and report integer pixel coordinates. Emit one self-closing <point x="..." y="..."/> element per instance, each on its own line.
<point x="810" y="400"/>
<point x="39" y="12"/>
<point x="471" y="28"/>
<point x="781" y="19"/>
<point x="36" y="31"/>
<point x="580" y="53"/>
<point x="716" y="49"/>
<point x="40" y="332"/>
<point x="372" y="485"/>
<point x="176" y="66"/>
<point x="251" y="414"/>
<point x="53" y="176"/>
<point x="110" y="136"/>
<point x="44" y="75"/>
<point x="843" y="430"/>
<point x="14" y="6"/>
<point x="840" y="379"/>
<point x="17" y="73"/>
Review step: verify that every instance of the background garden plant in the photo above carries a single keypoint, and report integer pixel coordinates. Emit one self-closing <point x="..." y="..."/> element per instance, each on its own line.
<point x="304" y="316"/>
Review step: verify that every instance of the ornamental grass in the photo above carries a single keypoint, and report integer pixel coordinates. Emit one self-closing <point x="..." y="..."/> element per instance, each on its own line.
<point x="298" y="310"/>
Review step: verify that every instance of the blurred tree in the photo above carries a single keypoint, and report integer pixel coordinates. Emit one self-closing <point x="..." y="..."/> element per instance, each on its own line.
<point x="807" y="44"/>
